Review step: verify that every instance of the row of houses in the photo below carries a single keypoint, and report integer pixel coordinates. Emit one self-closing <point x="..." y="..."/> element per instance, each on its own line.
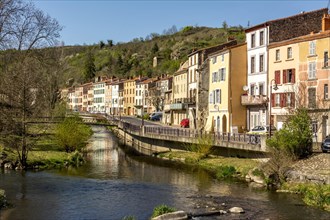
<point x="283" y="65"/>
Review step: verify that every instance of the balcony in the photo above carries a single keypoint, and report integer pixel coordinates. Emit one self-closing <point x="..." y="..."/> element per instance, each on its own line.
<point x="177" y="106"/>
<point x="253" y="99"/>
<point x="185" y="100"/>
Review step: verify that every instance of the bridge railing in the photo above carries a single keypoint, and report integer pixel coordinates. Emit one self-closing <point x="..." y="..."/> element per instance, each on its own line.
<point x="175" y="133"/>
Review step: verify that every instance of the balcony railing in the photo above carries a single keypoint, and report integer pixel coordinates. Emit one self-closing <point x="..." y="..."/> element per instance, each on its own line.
<point x="185" y="100"/>
<point x="253" y="99"/>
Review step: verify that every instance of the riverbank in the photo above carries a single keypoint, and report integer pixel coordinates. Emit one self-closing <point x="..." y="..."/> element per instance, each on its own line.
<point x="304" y="182"/>
<point x="44" y="153"/>
<point x="219" y="167"/>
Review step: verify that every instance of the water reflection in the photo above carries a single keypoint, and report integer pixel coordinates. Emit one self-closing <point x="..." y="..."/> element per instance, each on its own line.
<point x="113" y="184"/>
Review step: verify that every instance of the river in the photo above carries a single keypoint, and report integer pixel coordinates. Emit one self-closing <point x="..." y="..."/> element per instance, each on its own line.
<point x="113" y="184"/>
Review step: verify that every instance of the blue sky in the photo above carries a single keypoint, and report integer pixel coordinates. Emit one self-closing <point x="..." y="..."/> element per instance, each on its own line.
<point x="88" y="22"/>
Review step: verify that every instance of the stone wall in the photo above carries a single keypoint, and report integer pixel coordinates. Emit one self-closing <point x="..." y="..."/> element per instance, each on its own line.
<point x="203" y="96"/>
<point x="295" y="26"/>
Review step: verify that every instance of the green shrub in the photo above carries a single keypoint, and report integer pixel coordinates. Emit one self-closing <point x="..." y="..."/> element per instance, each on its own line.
<point x="292" y="142"/>
<point x="225" y="172"/>
<point x="146" y="116"/>
<point x="203" y="146"/>
<point x="317" y="195"/>
<point x="72" y="134"/>
<point x="295" y="138"/>
<point x="162" y="209"/>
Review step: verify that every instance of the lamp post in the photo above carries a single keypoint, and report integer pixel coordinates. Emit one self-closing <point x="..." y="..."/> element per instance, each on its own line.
<point x="270" y="105"/>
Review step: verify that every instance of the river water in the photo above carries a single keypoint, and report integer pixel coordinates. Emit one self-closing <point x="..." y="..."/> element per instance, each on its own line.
<point x="113" y="184"/>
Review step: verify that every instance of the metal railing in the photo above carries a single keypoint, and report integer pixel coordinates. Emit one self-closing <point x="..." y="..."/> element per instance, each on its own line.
<point x="190" y="134"/>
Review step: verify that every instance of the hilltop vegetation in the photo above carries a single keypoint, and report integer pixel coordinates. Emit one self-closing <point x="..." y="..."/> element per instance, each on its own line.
<point x="136" y="57"/>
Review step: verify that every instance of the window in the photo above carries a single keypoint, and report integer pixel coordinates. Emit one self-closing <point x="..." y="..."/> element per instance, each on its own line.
<point x="261" y="63"/>
<point x="289" y="76"/>
<point x="326" y="91"/>
<point x="277" y="55"/>
<point x="252" y="89"/>
<point x="314" y="127"/>
<point x="253" y="39"/>
<point x="312" y="70"/>
<point x="277" y="99"/>
<point x="312" y="45"/>
<point x="311" y="97"/>
<point x="211" y="98"/>
<point x="261" y="38"/>
<point x="222" y="72"/>
<point x="214" y="60"/>
<point x="218" y="96"/>
<point x="222" y="57"/>
<point x="278" y="77"/>
<point x="261" y="89"/>
<point x="252" y="64"/>
<point x="214" y="77"/>
<point x="289" y="53"/>
<point x="326" y="59"/>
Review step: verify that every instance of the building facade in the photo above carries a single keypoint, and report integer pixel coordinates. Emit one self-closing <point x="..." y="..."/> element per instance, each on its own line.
<point x="227" y="78"/>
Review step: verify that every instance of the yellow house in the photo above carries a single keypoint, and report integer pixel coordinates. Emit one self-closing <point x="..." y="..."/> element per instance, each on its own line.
<point x="129" y="97"/>
<point x="179" y="103"/>
<point x="227" y="69"/>
<point x="283" y="67"/>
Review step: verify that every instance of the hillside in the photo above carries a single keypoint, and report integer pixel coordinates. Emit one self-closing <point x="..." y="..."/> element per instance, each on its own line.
<point x="136" y="57"/>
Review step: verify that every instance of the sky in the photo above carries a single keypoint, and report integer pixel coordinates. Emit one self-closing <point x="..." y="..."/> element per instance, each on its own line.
<point x="89" y="22"/>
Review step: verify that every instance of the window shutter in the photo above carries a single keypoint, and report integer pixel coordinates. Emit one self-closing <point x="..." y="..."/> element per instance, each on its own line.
<point x="273" y="99"/>
<point x="220" y="96"/>
<point x="277" y="77"/>
<point x="293" y="99"/>
<point x="293" y="75"/>
<point x="284" y="76"/>
<point x="224" y="74"/>
<point x="211" y="98"/>
<point x="214" y="96"/>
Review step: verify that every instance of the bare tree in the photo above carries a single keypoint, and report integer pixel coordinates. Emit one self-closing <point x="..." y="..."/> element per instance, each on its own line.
<point x="29" y="84"/>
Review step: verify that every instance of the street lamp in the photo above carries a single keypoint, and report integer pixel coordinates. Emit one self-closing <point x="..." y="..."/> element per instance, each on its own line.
<point x="270" y="105"/>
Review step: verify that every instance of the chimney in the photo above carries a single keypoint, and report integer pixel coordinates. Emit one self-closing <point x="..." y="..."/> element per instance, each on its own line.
<point x="326" y="22"/>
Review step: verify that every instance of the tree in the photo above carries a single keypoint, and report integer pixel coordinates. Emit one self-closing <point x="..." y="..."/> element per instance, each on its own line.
<point x="23" y="68"/>
<point x="89" y="66"/>
<point x="292" y="142"/>
<point x="72" y="134"/>
<point x="110" y="43"/>
<point x="224" y="25"/>
<point x="154" y="48"/>
<point x="102" y="44"/>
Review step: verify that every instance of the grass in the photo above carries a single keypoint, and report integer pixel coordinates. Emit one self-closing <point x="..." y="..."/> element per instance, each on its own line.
<point x="215" y="164"/>
<point x="45" y="152"/>
<point x="317" y="195"/>
<point x="162" y="209"/>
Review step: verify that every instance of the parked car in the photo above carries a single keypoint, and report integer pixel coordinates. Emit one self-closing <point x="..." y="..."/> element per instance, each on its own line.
<point x="262" y="129"/>
<point x="157" y="117"/>
<point x="184" y="123"/>
<point x="154" y="114"/>
<point x="325" y="146"/>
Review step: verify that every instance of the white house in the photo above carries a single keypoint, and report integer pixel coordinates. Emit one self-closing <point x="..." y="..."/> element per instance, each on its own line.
<point x="99" y="96"/>
<point x="256" y="101"/>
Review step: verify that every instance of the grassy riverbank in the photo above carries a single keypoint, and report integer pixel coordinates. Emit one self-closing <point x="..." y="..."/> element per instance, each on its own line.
<point x="45" y="152"/>
<point x="221" y="167"/>
<point x="317" y="195"/>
